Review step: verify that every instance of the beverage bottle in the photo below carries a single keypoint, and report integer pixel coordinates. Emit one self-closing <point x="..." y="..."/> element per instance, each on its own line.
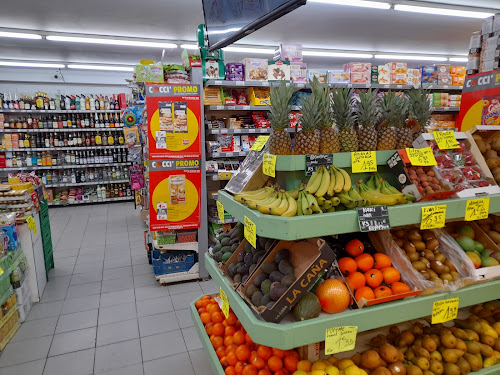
<point x="70" y="121"/>
<point x="82" y="102"/>
<point x="104" y="139"/>
<point x="106" y="103"/>
<point x="101" y="103"/>
<point x="111" y="139"/>
<point x="98" y="139"/>
<point x="101" y="121"/>
<point x="60" y="123"/>
<point x="77" y="102"/>
<point x="54" y="122"/>
<point x="73" y="103"/>
<point x="57" y="102"/>
<point x="65" y="121"/>
<point x="52" y="104"/>
<point x="78" y="121"/>
<point x="106" y="120"/>
<point x="56" y="142"/>
<point x="63" y="103"/>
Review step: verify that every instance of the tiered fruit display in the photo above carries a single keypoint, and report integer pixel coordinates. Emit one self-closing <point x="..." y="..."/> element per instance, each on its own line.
<point x="490" y="147"/>
<point x="248" y="259"/>
<point x="345" y="118"/>
<point x="227" y="243"/>
<point x="367" y="112"/>
<point x="280" y="142"/>
<point x="425" y="180"/>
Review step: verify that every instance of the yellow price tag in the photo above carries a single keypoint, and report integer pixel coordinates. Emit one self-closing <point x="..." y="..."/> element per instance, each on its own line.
<point x="259" y="144"/>
<point x="445" y="310"/>
<point x="31" y="223"/>
<point x="220" y="211"/>
<point x="1" y="271"/>
<point x="225" y="303"/>
<point x="269" y="165"/>
<point x="250" y="232"/>
<point x="364" y="161"/>
<point x="433" y="217"/>
<point x="421" y="156"/>
<point x="477" y="209"/>
<point x="340" y="339"/>
<point x="224" y="175"/>
<point x="446" y="140"/>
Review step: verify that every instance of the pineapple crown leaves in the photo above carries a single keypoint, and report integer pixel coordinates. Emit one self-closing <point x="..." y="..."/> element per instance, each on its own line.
<point x="281" y="105"/>
<point x="420" y="106"/>
<point x="311" y="113"/>
<point x="367" y="109"/>
<point x="323" y="94"/>
<point x="395" y="109"/>
<point x="342" y="106"/>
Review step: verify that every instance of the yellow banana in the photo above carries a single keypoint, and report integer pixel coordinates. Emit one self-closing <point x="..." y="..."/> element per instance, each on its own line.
<point x="335" y="201"/>
<point x="313" y="204"/>
<point x="254" y="195"/>
<point x="346" y="200"/>
<point x="321" y="200"/>
<point x="282" y="208"/>
<point x="358" y="198"/>
<point x="253" y="204"/>
<point x="305" y="204"/>
<point x="266" y="208"/>
<point x="328" y="204"/>
<point x="331" y="187"/>
<point x="339" y="180"/>
<point x="292" y="207"/>
<point x="294" y="193"/>
<point x="299" y="205"/>
<point x="314" y="181"/>
<point x="379" y="199"/>
<point x="325" y="182"/>
<point x="347" y="179"/>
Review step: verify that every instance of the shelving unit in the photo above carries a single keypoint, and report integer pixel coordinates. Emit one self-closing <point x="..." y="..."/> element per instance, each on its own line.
<point x="63" y="166"/>
<point x="91" y="201"/>
<point x="193" y="246"/>
<point x="52" y="130"/>
<point x="88" y="183"/>
<point x="44" y="111"/>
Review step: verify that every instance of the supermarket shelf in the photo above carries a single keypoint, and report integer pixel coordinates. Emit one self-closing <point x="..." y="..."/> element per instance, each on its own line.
<point x="34" y="167"/>
<point x="244" y="131"/>
<point x="57" y="111"/>
<point x="90" y="201"/>
<point x="446" y="109"/>
<point x="193" y="246"/>
<point x="193" y="273"/>
<point x="4" y="297"/>
<point x="299" y="227"/>
<point x="9" y="336"/>
<point x="238" y="107"/>
<point x="66" y="148"/>
<point x="226" y="220"/>
<point x="87" y="183"/>
<point x="442" y="87"/>
<point x="52" y="130"/>
<point x="292" y="335"/>
<point x="226" y="154"/>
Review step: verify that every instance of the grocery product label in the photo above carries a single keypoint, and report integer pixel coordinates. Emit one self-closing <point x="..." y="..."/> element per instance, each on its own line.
<point x="220" y="211"/>
<point x="31" y="224"/>
<point x="444" y="311"/>
<point x="433" y="217"/>
<point x="364" y="161"/>
<point x="225" y="303"/>
<point x="269" y="165"/>
<point x="421" y="156"/>
<point x="372" y="219"/>
<point x="477" y="209"/>
<point x="340" y="339"/>
<point x="224" y="175"/>
<point x="314" y="161"/>
<point x="260" y="143"/>
<point x="1" y="271"/>
<point x="446" y="140"/>
<point x="250" y="232"/>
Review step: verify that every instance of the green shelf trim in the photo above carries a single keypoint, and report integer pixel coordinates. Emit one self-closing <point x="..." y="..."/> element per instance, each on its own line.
<point x="292" y="335"/>
<point x="341" y="160"/>
<point x="326" y="224"/>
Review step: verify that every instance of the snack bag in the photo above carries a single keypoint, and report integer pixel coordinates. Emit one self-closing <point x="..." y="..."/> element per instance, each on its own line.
<point x="491" y="110"/>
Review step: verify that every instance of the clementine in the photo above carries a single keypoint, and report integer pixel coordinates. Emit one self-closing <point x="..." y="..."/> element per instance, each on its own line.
<point x="249" y="370"/>
<point x="264" y="372"/>
<point x="365" y="292"/>
<point x="264" y="352"/>
<point x="228" y="340"/>
<point x="279" y="353"/>
<point x="217" y="317"/>
<point x="304" y="365"/>
<point x="239" y="338"/>
<point x="355" y="248"/>
<point x="382" y="291"/>
<point x="275" y="363"/>
<point x="221" y="352"/>
<point x="333" y="296"/>
<point x="365" y="262"/>
<point x="382" y="261"/>
<point x="217" y="342"/>
<point x="239" y="367"/>
<point x="391" y="275"/>
<point x="258" y="362"/>
<point x="223" y="362"/>
<point x="231" y="358"/>
<point x="374" y="278"/>
<point x="218" y="329"/>
<point x="209" y="328"/>
<point x="231" y="319"/>
<point x="229" y="331"/>
<point x="230" y="370"/>
<point x="205" y="318"/>
<point x="347" y="265"/>
<point x="243" y="352"/>
<point x="356" y="280"/>
<point x="283" y="371"/>
<point x="399" y="287"/>
<point x="291" y="363"/>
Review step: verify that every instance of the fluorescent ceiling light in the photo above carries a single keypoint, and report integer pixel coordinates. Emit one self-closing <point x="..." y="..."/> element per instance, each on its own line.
<point x="6" y="34"/>
<point x="30" y="64"/>
<point x="355" y="3"/>
<point x="338" y="54"/>
<point x="443" y="11"/>
<point x="459" y="59"/>
<point x="231" y="30"/>
<point x="411" y="57"/>
<point x="102" y="67"/>
<point x="115" y="42"/>
<point x="189" y="46"/>
<point x="248" y="50"/>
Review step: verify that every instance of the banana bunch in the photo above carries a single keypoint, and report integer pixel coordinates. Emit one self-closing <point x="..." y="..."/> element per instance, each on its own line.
<point x="328" y="182"/>
<point x="269" y="201"/>
<point x="379" y="192"/>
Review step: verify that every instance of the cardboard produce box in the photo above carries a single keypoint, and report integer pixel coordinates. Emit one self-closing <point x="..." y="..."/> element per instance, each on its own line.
<point x="310" y="258"/>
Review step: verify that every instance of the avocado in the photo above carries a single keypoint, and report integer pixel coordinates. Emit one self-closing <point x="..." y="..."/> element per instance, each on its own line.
<point x="262" y="241"/>
<point x="275" y="284"/>
<point x="466" y="243"/>
<point x="467" y="231"/>
<point x="288" y="280"/>
<point x="226" y="256"/>
<point x="237" y="278"/>
<point x="251" y="290"/>
<point x="248" y="247"/>
<point x="218" y="256"/>
<point x="225" y="249"/>
<point x="270" y="304"/>
<point x="285" y="267"/>
<point x="257" y="298"/>
<point x="257" y="255"/>
<point x="259" y="279"/>
<point x="244" y="279"/>
<point x="242" y="270"/>
<point x="248" y="259"/>
<point x="241" y="256"/>
<point x="269" y="244"/>
<point x="239" y="225"/>
<point x="265" y="299"/>
<point x="282" y="254"/>
<point x="265" y="287"/>
<point x="277" y="292"/>
<point x="238" y="233"/>
<point x="478" y="246"/>
<point x="222" y="236"/>
<point x="217" y="248"/>
<point x="269" y="267"/>
<point x="251" y="268"/>
<point x="276" y="276"/>
<point x="231" y="270"/>
<point x="234" y="240"/>
<point x="234" y="246"/>
<point x="225" y="241"/>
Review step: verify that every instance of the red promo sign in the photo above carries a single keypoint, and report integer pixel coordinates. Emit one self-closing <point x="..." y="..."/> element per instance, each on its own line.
<point x="174" y="117"/>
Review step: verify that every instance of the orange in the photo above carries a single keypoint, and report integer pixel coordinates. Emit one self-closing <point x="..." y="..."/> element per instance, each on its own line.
<point x="391" y="275"/>
<point x="201" y="310"/>
<point x="230" y="370"/>
<point x="365" y="262"/>
<point x="292" y="353"/>
<point x="381" y="261"/>
<point x="249" y="370"/>
<point x="223" y="362"/>
<point x="356" y="280"/>
<point x="231" y="319"/>
<point x="347" y="265"/>
<point x="221" y="352"/>
<point x="304" y="365"/>
<point x="205" y="318"/>
<point x="217" y="342"/>
<point x="209" y="328"/>
<point x="374" y="278"/>
<point x="399" y="287"/>
<point x="275" y="363"/>
<point x="218" y="329"/>
<point x="239" y="338"/>
<point x="355" y="248"/>
<point x="231" y="348"/>
<point x="231" y="358"/>
<point x="243" y="352"/>
<point x="382" y="291"/>
<point x="283" y="371"/>
<point x="291" y="363"/>
<point x="264" y="372"/>
<point x="333" y="296"/>
<point x="212" y="307"/>
<point x="365" y="292"/>
<point x="217" y="317"/>
<point x="264" y="352"/>
<point x="279" y="353"/>
<point x="239" y="367"/>
<point x="258" y="362"/>
<point x="248" y="340"/>
<point x="199" y="303"/>
<point x="229" y="331"/>
<point x="228" y="340"/>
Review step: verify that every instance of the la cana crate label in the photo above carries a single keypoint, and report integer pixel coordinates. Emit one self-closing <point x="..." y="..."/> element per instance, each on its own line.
<point x="444" y="310"/>
<point x="340" y="339"/>
<point x="314" y="161"/>
<point x="372" y="219"/>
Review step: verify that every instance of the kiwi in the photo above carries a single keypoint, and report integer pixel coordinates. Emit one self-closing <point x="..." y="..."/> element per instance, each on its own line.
<point x="257" y="281"/>
<point x="276" y="276"/>
<point x="269" y="267"/>
<point x="285" y="267"/>
<point x="251" y="290"/>
<point x="265" y="287"/>
<point x="282" y="254"/>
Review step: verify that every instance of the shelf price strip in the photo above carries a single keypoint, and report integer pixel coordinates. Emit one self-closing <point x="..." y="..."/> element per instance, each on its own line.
<point x="477" y="209"/>
<point x="314" y="161"/>
<point x="446" y="140"/>
<point x="269" y="165"/>
<point x="340" y="339"/>
<point x="225" y="303"/>
<point x="250" y="231"/>
<point x="220" y="211"/>
<point x="260" y="143"/>
<point x="433" y="217"/>
<point x="31" y="224"/>
<point x="224" y="175"/>
<point x="373" y="219"/>
<point x="364" y="161"/>
<point x="445" y="310"/>
<point x="421" y="156"/>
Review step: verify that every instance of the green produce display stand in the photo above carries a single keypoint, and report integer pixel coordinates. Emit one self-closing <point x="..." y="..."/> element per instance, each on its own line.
<point x="46" y="237"/>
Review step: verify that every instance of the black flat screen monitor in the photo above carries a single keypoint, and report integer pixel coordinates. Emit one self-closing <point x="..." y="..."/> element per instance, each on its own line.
<point x="230" y="20"/>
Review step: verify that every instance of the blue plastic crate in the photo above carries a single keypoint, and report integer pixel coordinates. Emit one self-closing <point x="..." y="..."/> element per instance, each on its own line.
<point x="162" y="268"/>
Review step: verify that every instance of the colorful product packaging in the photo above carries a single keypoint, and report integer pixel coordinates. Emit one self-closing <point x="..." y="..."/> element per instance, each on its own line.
<point x="259" y="96"/>
<point x="457" y="70"/>
<point x="235" y="72"/>
<point x="361" y="78"/>
<point x="491" y="110"/>
<point x="298" y="72"/>
<point x="255" y="69"/>
<point x="357" y="67"/>
<point x="213" y="69"/>
<point x="320" y="74"/>
<point x="398" y="67"/>
<point x="457" y="80"/>
<point x="290" y="52"/>
<point x="384" y="74"/>
<point x="149" y="73"/>
<point x="399" y="79"/>
<point x="338" y="76"/>
<point x="429" y="74"/>
<point x="8" y="227"/>
<point x="278" y="71"/>
<point x="444" y="79"/>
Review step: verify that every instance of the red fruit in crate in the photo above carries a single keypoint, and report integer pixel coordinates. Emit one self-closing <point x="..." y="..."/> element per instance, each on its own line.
<point x="355" y="248"/>
<point x="333" y="296"/>
<point x="444" y="161"/>
<point x="468" y="159"/>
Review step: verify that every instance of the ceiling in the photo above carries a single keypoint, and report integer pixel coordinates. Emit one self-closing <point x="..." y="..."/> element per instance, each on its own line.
<point x="314" y="25"/>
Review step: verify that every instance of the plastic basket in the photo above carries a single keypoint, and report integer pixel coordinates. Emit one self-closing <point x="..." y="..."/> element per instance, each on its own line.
<point x="161" y="267"/>
<point x="186" y="236"/>
<point x="165" y="237"/>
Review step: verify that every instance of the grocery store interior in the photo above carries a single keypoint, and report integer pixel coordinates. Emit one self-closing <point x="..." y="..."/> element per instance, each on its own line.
<point x="250" y="187"/>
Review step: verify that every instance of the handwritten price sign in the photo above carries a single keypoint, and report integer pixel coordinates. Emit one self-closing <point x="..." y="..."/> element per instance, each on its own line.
<point x="446" y="140"/>
<point x="477" y="209"/>
<point x="433" y="217"/>
<point x="364" y="161"/>
<point x="260" y="143"/>
<point x="340" y="339"/>
<point x="269" y="165"/>
<point x="445" y="310"/>
<point x="225" y="303"/>
<point x="220" y="211"/>
<point x="31" y="223"/>
<point x="421" y="156"/>
<point x="250" y="232"/>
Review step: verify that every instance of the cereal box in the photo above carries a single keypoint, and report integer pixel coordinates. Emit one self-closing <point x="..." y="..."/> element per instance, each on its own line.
<point x="360" y="78"/>
<point x="357" y="67"/>
<point x="321" y="74"/>
<point x="399" y="79"/>
<point x="298" y="72"/>
<point x="399" y="67"/>
<point x="338" y="76"/>
<point x="255" y="69"/>
<point x="278" y="71"/>
<point x="491" y="110"/>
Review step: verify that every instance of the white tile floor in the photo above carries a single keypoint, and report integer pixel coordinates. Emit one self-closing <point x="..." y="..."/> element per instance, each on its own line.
<point x="102" y="311"/>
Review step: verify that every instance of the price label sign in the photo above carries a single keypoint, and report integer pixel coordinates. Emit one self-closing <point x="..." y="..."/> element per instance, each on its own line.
<point x="444" y="311"/>
<point x="269" y="165"/>
<point x="421" y="156"/>
<point x="224" y="175"/>
<point x="433" y="217"/>
<point x="372" y="219"/>
<point x="220" y="211"/>
<point x="250" y="232"/>
<point x="31" y="223"/>
<point x="364" y="161"/>
<point x="340" y="339"/>
<point x="314" y="161"/>
<point x="446" y="140"/>
<point x="225" y="303"/>
<point x="260" y="143"/>
<point x="477" y="209"/>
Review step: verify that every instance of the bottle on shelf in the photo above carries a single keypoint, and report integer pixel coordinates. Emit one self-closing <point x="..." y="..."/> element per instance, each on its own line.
<point x="82" y="102"/>
<point x="101" y="103"/>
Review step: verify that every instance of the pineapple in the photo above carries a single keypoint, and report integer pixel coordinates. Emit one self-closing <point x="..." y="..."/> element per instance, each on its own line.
<point x="420" y="110"/>
<point x="329" y="139"/>
<point x="367" y="112"/>
<point x="344" y="116"/>
<point x="280" y="142"/>
<point x="394" y="110"/>
<point x="307" y="140"/>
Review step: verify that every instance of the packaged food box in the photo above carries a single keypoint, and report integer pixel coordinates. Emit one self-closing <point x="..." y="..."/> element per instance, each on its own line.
<point x="475" y="40"/>
<point x="444" y="79"/>
<point x="429" y="74"/>
<point x="278" y="71"/>
<point x="458" y="80"/>
<point x="487" y="26"/>
<point x="298" y="72"/>
<point x="491" y="110"/>
<point x="259" y="96"/>
<point x="358" y="67"/>
<point x="235" y="72"/>
<point x="374" y="77"/>
<point x="320" y="74"/>
<point x="399" y="79"/>
<point x="213" y="69"/>
<point x="338" y="76"/>
<point x="361" y="78"/>
<point x="255" y="69"/>
<point x="457" y="70"/>
<point x="384" y="74"/>
<point x="398" y="67"/>
<point x="443" y="68"/>
<point x="291" y="52"/>
<point x="149" y="73"/>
